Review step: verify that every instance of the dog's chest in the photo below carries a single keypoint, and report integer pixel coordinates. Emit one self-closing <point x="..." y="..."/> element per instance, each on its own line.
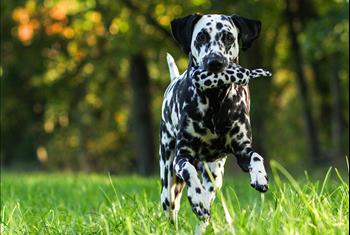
<point x="214" y="120"/>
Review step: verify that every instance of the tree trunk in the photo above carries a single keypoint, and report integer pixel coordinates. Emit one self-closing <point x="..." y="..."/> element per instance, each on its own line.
<point x="310" y="130"/>
<point x="337" y="124"/>
<point x="323" y="89"/>
<point x="142" y="118"/>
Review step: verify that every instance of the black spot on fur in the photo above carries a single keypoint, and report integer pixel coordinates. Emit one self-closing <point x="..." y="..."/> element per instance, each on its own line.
<point x="217" y="37"/>
<point x="172" y="144"/>
<point x="166" y="177"/>
<point x="207" y="83"/>
<point x="167" y="202"/>
<point x="198" y="129"/>
<point x="185" y="175"/>
<point x="235" y="130"/>
<point x="190" y="199"/>
<point x="219" y="25"/>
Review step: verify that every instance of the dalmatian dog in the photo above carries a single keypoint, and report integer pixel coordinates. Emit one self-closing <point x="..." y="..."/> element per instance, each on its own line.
<point x="205" y="112"/>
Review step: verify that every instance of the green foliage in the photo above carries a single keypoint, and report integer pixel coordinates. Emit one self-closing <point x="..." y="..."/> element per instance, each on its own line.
<point x="65" y="93"/>
<point x="97" y="204"/>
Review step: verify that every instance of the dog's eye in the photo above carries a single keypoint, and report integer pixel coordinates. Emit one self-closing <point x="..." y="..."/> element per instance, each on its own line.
<point x="202" y="37"/>
<point x="228" y="38"/>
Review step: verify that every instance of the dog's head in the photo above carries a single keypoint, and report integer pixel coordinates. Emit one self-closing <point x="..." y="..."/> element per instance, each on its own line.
<point x="213" y="39"/>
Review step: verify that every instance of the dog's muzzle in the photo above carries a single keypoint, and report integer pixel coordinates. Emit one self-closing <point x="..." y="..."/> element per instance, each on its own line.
<point x="215" y="63"/>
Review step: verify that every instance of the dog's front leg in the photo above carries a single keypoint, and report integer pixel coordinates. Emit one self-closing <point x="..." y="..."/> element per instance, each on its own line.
<point x="252" y="162"/>
<point x="197" y="195"/>
<point x="258" y="176"/>
<point x="217" y="170"/>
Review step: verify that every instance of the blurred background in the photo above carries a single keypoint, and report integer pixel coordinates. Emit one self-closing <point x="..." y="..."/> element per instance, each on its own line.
<point x="82" y="81"/>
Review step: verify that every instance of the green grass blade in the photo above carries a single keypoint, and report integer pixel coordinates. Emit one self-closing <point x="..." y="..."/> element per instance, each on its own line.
<point x="315" y="216"/>
<point x="325" y="181"/>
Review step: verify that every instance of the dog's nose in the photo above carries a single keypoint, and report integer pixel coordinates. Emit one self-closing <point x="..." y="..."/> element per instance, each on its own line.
<point x="215" y="63"/>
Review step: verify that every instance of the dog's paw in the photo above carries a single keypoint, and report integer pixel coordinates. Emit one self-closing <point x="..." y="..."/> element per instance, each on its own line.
<point x="200" y="202"/>
<point x="258" y="175"/>
<point x="259" y="181"/>
<point x="260" y="73"/>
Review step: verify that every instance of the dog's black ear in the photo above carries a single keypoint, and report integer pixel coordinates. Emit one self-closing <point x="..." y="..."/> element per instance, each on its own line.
<point x="182" y="29"/>
<point x="249" y="30"/>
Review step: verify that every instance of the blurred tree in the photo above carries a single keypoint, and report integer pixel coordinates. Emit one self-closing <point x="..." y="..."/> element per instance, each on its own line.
<point x="310" y="128"/>
<point x="72" y="72"/>
<point x="324" y="50"/>
<point x="143" y="127"/>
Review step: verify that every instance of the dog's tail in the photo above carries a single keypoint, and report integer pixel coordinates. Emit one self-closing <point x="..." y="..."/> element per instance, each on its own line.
<point x="173" y="70"/>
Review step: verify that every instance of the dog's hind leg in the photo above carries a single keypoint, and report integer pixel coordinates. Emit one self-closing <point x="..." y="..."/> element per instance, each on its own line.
<point x="176" y="188"/>
<point x="167" y="154"/>
<point x="172" y="186"/>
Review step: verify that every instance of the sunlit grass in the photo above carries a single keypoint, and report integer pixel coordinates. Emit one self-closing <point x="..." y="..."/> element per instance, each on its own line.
<point x="38" y="203"/>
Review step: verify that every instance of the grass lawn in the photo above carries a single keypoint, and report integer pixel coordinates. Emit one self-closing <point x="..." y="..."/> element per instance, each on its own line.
<point x="67" y="203"/>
